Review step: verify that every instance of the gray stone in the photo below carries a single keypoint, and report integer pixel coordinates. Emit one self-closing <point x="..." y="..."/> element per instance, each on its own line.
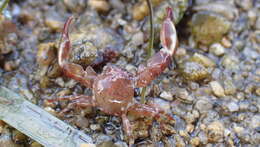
<point x="217" y="49"/>
<point x="203" y="105"/>
<point x="232" y="106"/>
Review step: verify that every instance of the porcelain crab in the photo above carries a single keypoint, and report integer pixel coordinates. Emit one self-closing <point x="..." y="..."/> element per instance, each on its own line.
<point x="113" y="89"/>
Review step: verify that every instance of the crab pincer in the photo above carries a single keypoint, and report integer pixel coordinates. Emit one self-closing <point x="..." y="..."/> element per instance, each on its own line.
<point x="162" y="59"/>
<point x="75" y="71"/>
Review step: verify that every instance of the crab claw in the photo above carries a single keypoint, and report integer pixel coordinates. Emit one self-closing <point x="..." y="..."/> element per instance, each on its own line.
<point x="72" y="70"/>
<point x="64" y="50"/>
<point x="168" y="34"/>
<point x="162" y="59"/>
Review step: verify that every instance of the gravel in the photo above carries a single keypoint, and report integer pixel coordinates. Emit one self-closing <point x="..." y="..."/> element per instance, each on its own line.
<point x="212" y="90"/>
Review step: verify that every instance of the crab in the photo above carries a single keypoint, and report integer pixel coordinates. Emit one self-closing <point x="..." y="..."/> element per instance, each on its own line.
<point x="113" y="89"/>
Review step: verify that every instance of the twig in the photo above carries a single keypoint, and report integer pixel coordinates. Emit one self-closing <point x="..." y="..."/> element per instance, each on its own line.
<point x="151" y="39"/>
<point x="150" y="47"/>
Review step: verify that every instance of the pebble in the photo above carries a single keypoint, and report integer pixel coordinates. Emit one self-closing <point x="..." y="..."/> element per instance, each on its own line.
<point x="117" y="4"/>
<point x="249" y="53"/>
<point x="244" y="105"/>
<point x="245" y="4"/>
<point x="95" y="127"/>
<point x="138" y="38"/>
<point x="183" y="95"/>
<point x="184" y="133"/>
<point x="240" y="96"/>
<point x="252" y="108"/>
<point x="232" y="106"/>
<point x="75" y="6"/>
<point x="104" y="141"/>
<point x="45" y="54"/>
<point x="189" y="128"/>
<point x="203" y="137"/>
<point x="179" y="141"/>
<point x="140" y="10"/>
<point x="156" y="133"/>
<point x="82" y="122"/>
<point x="238" y="129"/>
<point x="203" y="30"/>
<point x="131" y="68"/>
<point x="10" y="66"/>
<point x="229" y="87"/>
<point x="60" y="82"/>
<point x="257" y="91"/>
<point x="166" y="95"/>
<point x="230" y="62"/>
<point x="203" y="105"/>
<point x="190" y="118"/>
<point x="238" y="44"/>
<point x="226" y="42"/>
<point x="223" y="8"/>
<point x="204" y="60"/>
<point x="215" y="131"/>
<point x="227" y="132"/>
<point x="84" y="53"/>
<point x="54" y="24"/>
<point x="195" y="141"/>
<point x="180" y="52"/>
<point x="217" y="49"/>
<point x="51" y="111"/>
<point x="194" y="71"/>
<point x="161" y="103"/>
<point x="217" y="88"/>
<point x="252" y="15"/>
<point x="120" y="144"/>
<point x="99" y="5"/>
<point x="240" y="24"/>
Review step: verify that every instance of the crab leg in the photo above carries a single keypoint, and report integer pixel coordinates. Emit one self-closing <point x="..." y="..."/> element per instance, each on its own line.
<point x="151" y="111"/>
<point x="75" y="71"/>
<point x="81" y="101"/>
<point x="128" y="129"/>
<point x="162" y="59"/>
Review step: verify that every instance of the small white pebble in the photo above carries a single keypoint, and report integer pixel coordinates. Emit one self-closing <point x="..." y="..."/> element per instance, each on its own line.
<point x="233" y="107"/>
<point x="130" y="68"/>
<point x="217" y="49"/>
<point x="227" y="132"/>
<point x="138" y="38"/>
<point x="60" y="82"/>
<point x="166" y="95"/>
<point x="95" y="127"/>
<point x="217" y="89"/>
<point x="238" y="129"/>
<point x="226" y="42"/>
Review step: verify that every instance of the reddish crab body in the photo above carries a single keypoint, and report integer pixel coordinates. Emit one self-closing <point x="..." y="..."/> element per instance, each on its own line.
<point x="113" y="89"/>
<point x="121" y="97"/>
